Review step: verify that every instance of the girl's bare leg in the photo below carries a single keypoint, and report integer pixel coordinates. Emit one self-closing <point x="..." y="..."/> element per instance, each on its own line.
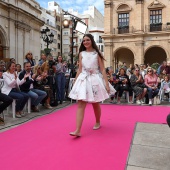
<point x="97" y="112"/>
<point x="79" y="118"/>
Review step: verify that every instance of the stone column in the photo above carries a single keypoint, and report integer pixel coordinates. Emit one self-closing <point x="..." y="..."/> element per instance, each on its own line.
<point x="108" y="17"/>
<point x="139" y="58"/>
<point x="108" y="53"/>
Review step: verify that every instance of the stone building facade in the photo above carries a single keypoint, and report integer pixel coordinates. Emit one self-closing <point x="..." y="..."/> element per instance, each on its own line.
<point x="136" y="31"/>
<point x="20" y="23"/>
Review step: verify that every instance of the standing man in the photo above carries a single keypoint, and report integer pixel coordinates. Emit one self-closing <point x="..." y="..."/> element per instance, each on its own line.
<point x="36" y="95"/>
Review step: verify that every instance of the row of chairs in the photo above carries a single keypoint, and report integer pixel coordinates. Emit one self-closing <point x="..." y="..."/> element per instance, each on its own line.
<point x="12" y="106"/>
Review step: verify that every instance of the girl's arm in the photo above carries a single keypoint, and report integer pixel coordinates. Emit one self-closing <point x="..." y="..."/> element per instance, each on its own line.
<point x="102" y="69"/>
<point x="80" y="67"/>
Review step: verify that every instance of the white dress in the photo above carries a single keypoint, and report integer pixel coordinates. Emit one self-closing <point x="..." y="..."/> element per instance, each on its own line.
<point x="89" y="85"/>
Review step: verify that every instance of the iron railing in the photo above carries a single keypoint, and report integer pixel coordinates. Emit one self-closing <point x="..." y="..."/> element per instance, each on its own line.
<point x="123" y="30"/>
<point x="157" y="27"/>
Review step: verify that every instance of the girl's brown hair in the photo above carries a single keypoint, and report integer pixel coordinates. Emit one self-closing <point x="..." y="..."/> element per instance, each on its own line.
<point x="83" y="48"/>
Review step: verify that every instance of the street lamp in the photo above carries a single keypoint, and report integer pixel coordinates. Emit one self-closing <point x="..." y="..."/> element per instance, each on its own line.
<point x="77" y="25"/>
<point x="48" y="38"/>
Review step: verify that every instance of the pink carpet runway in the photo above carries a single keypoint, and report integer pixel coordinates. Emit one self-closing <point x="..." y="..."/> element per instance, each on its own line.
<point x="45" y="143"/>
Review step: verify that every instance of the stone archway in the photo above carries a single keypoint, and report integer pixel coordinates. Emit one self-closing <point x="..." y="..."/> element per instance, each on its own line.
<point x="123" y="55"/>
<point x="155" y="54"/>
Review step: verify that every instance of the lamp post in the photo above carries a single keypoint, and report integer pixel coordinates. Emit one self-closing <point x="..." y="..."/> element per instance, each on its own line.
<point x="77" y="25"/>
<point x="48" y="38"/>
<point x="66" y="24"/>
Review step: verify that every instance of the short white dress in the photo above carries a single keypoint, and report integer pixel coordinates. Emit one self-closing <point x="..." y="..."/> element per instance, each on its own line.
<point x="90" y="85"/>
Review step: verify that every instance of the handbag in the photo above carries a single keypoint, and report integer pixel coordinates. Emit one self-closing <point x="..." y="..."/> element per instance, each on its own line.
<point x="156" y="100"/>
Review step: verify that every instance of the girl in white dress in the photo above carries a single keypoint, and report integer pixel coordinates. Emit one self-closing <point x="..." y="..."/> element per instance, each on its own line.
<point x="91" y="83"/>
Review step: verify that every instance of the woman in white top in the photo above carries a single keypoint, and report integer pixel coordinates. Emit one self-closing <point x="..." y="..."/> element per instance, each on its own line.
<point x="11" y="88"/>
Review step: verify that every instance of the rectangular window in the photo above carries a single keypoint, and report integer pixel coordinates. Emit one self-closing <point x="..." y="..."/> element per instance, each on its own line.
<point x="156" y="20"/>
<point x="123" y="19"/>
<point x="74" y="51"/>
<point x="100" y="39"/>
<point x="123" y="23"/>
<point x="54" y="41"/>
<point x="66" y="50"/>
<point x="155" y="16"/>
<point x="65" y="32"/>
<point x="102" y="48"/>
<point x="58" y="45"/>
<point x="65" y="41"/>
<point x="59" y="36"/>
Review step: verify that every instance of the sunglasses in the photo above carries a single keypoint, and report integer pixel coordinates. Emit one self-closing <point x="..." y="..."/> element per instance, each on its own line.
<point x="29" y="53"/>
<point x="137" y="70"/>
<point x="149" y="70"/>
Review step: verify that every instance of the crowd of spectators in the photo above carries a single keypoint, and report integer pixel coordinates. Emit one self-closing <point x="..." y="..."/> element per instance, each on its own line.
<point x="44" y="83"/>
<point x="142" y="82"/>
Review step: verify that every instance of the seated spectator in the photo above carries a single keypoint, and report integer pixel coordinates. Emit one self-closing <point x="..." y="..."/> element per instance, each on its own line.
<point x="109" y="73"/>
<point x="18" y="69"/>
<point x="165" y="87"/>
<point x="41" y="83"/>
<point x="5" y="101"/>
<point x="129" y="70"/>
<point x="12" y="60"/>
<point x="123" y="84"/>
<point x="29" y="58"/>
<point x="142" y="71"/>
<point x="138" y="86"/>
<point x="164" y="67"/>
<point x="43" y="59"/>
<point x="151" y="84"/>
<point x="11" y="88"/>
<point x="27" y="87"/>
<point x="162" y="74"/>
<point x="2" y="66"/>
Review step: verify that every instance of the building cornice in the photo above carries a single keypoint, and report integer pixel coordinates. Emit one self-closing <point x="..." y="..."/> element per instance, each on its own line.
<point x="19" y="10"/>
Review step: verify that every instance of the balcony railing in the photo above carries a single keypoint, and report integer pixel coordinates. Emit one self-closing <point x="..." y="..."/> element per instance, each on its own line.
<point x="123" y="30"/>
<point x="157" y="27"/>
<point x="148" y="28"/>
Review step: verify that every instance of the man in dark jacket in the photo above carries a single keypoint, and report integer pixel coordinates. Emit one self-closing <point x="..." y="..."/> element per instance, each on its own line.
<point x="36" y="95"/>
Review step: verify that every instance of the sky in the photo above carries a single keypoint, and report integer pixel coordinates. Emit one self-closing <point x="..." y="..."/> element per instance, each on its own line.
<point x="76" y="5"/>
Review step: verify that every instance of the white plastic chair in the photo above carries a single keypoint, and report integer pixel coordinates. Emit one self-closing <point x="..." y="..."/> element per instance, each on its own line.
<point x="14" y="104"/>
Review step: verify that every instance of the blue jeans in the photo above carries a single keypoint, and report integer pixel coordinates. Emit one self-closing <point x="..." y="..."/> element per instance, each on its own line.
<point x="152" y="93"/>
<point x="36" y="96"/>
<point x="21" y="99"/>
<point x="60" y="81"/>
